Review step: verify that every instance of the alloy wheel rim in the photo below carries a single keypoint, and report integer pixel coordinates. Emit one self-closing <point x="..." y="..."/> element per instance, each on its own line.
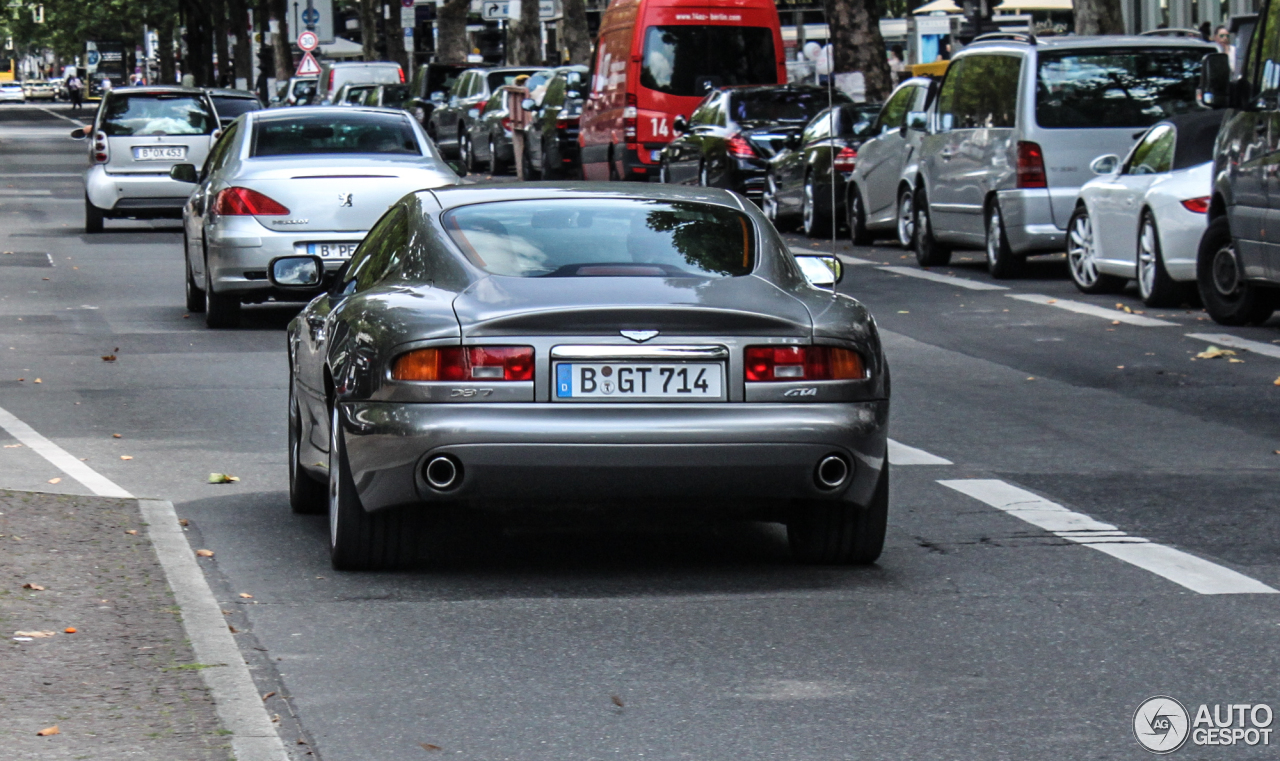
<point x="493" y="152"/>
<point x="808" y="207"/>
<point x="333" y="477"/>
<point x="1226" y="271"/>
<point x="993" y="237"/>
<point x="906" y="220"/>
<point x="770" y="200"/>
<point x="1080" y="252"/>
<point x="1146" y="260"/>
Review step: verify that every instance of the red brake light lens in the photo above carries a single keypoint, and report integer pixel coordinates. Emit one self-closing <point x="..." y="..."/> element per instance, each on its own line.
<point x="629" y="114"/>
<point x="401" y="73"/>
<point x="845" y="159"/>
<point x="458" y="363"/>
<point x="234" y="202"/>
<point x="738" y="146"/>
<point x="1197" y="205"/>
<point x="1031" y="166"/>
<point x="799" y="363"/>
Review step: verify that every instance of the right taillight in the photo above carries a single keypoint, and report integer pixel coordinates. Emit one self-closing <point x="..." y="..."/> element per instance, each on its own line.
<point x="459" y="363"/>
<point x="100" y="151"/>
<point x="802" y="363"/>
<point x="846" y="159"/>
<point x="1197" y="205"/>
<point x="1031" y="166"/>
<point x="629" y="114"/>
<point x="233" y="202"/>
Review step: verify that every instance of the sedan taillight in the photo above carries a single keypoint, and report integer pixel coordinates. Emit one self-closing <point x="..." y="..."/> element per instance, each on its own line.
<point x="799" y="363"/>
<point x="239" y="202"/>
<point x="845" y="159"/>
<point x="1197" y="205"/>
<point x="458" y="363"/>
<point x="1030" y="166"/>
<point x="738" y="146"/>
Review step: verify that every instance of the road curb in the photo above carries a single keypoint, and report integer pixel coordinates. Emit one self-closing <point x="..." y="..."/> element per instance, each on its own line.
<point x="240" y="708"/>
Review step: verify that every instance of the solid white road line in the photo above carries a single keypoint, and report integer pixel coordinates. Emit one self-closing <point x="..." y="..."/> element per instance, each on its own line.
<point x="843" y="257"/>
<point x="1256" y="347"/>
<point x="61" y="458"/>
<point x="1194" y="573"/>
<point x="239" y="706"/>
<point x="1090" y="309"/>
<point x="23" y="192"/>
<point x="240" y="709"/>
<point x="901" y="454"/>
<point x="973" y="285"/>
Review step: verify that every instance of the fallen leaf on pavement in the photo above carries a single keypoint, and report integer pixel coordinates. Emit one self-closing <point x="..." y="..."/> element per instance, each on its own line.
<point x="36" y="587"/>
<point x="35" y="635"/>
<point x="233" y="629"/>
<point x="184" y="522"/>
<point x="108" y="358"/>
<point x="1276" y="382"/>
<point x="70" y="630"/>
<point x="49" y="731"/>
<point x="1115" y="322"/>
<point x="132" y="531"/>
<point x="37" y="380"/>
<point x="269" y="694"/>
<point x="246" y="595"/>
<point x="429" y="746"/>
<point x="1235" y="361"/>
<point x="115" y="435"/>
<point x="1213" y="352"/>
<point x="126" y="457"/>
<point x="55" y="480"/>
<point x="616" y="700"/>
<point x="204" y="553"/>
<point x="12" y="446"/>
<point x="1119" y="367"/>
<point x="222" y="478"/>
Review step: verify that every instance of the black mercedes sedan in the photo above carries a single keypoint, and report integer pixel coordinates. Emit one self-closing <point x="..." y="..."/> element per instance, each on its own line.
<point x="729" y="139"/>
<point x="494" y="348"/>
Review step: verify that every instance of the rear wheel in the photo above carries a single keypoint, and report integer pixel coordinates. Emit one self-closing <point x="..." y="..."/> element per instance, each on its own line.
<point x="841" y="533"/>
<point x="1001" y="261"/>
<point x="195" y="296"/>
<point x="306" y="495"/>
<point x="906" y="219"/>
<point x="704" y="175"/>
<point x="857" y="215"/>
<point x="1081" y="257"/>
<point x="93" y="217"/>
<point x="466" y="152"/>
<point x="814" y="222"/>
<point x="1228" y="297"/>
<point x="929" y="252"/>
<point x="220" y="310"/>
<point x="495" y="166"/>
<point x="769" y="203"/>
<point x="359" y="540"/>
<point x="1154" y="284"/>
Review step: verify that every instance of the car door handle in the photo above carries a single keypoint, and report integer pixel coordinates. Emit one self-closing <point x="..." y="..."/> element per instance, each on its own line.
<point x="945" y="154"/>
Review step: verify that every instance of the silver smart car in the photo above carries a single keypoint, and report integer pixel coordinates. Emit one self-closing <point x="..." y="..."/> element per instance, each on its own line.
<point x="138" y="135"/>
<point x="308" y="180"/>
<point x="489" y="347"/>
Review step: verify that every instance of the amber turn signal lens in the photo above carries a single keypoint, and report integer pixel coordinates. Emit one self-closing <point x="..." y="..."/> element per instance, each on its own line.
<point x="457" y="363"/>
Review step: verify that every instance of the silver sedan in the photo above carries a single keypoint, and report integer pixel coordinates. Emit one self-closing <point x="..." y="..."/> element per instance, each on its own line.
<point x="308" y="181"/>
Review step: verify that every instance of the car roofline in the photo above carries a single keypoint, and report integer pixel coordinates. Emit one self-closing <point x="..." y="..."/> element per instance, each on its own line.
<point x="455" y="196"/>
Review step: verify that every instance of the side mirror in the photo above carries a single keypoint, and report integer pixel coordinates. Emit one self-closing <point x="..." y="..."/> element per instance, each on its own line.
<point x="439" y="96"/>
<point x="792" y="141"/>
<point x="458" y="167"/>
<point x="184" y="173"/>
<point x="680" y="124"/>
<point x="527" y="104"/>
<point x="917" y="120"/>
<point x="1215" y="81"/>
<point x="79" y="134"/>
<point x="820" y="270"/>
<point x="296" y="271"/>
<point x="1105" y="164"/>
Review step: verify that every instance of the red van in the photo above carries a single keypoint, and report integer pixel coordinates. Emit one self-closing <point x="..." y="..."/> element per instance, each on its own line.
<point x="656" y="60"/>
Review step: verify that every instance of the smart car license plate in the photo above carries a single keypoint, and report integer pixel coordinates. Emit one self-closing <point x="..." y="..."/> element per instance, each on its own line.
<point x="632" y="380"/>
<point x="160" y="153"/>
<point x="342" y="250"/>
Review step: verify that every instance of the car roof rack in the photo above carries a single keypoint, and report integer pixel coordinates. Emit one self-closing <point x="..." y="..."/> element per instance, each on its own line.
<point x="1175" y="32"/>
<point x="1026" y="37"/>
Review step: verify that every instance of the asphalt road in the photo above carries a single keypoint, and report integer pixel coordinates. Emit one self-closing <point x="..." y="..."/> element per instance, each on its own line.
<point x="978" y="634"/>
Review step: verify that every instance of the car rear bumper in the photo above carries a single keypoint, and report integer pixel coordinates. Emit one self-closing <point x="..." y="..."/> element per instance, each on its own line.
<point x="1028" y="222"/>
<point x="125" y="195"/>
<point x="735" y="456"/>
<point x="239" y="250"/>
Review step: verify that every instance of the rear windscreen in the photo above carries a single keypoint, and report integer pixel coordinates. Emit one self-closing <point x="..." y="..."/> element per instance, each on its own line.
<point x="152" y="114"/>
<point x="690" y="59"/>
<point x="1116" y="88"/>
<point x="230" y="108"/>
<point x="358" y="132"/>
<point x="615" y="237"/>
<point x="780" y="105"/>
<point x="372" y="75"/>
<point x="394" y="96"/>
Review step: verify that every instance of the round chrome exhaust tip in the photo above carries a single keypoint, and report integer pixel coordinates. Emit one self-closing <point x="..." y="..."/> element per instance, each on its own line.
<point x="832" y="472"/>
<point x="442" y="472"/>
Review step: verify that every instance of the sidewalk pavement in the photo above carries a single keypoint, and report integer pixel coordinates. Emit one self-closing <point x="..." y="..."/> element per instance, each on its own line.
<point x="124" y="684"/>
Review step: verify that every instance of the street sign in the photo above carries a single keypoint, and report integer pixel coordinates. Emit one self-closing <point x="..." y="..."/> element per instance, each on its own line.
<point x="308" y="67"/>
<point x="311" y="17"/>
<point x="308" y="41"/>
<point x="495" y="9"/>
<point x="406" y="3"/>
<point x="408" y="17"/>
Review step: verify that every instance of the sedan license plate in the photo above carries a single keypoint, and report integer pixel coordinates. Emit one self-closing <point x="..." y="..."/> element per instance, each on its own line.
<point x="631" y="380"/>
<point x="333" y="250"/>
<point x="160" y="153"/>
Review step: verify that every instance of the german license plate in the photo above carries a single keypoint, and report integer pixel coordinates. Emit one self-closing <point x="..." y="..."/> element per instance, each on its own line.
<point x="160" y="153"/>
<point x="632" y="380"/>
<point x="333" y="250"/>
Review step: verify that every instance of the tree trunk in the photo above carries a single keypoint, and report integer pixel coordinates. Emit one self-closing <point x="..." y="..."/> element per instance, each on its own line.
<point x="283" y="43"/>
<point x="1098" y="17"/>
<point x="574" y="32"/>
<point x="395" y="39"/>
<point x="266" y="53"/>
<point x="164" y="32"/>
<point x="855" y="33"/>
<point x="218" y="9"/>
<point x="525" y="37"/>
<point x="239" y="21"/>
<point x="199" y="62"/>
<point x="369" y="28"/>
<point x="451" y="31"/>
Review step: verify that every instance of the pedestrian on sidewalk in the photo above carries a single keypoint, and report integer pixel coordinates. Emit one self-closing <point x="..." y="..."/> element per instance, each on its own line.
<point x="75" y="91"/>
<point x="516" y="94"/>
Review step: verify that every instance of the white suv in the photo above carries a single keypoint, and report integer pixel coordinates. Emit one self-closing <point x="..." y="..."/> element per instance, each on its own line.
<point x="138" y="134"/>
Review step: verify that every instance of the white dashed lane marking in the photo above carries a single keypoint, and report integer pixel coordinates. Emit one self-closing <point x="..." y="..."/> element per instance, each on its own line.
<point x="1092" y="310"/>
<point x="1224" y="339"/>
<point x="973" y="285"/>
<point x="1196" y="574"/>
<point x="901" y="454"/>
<point x="853" y="260"/>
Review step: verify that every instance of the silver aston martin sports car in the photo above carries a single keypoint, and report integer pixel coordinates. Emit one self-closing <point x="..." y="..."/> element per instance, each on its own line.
<point x="301" y="180"/>
<point x="488" y="347"/>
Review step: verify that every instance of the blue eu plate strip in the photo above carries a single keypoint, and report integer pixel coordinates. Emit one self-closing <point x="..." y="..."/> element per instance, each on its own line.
<point x="564" y="380"/>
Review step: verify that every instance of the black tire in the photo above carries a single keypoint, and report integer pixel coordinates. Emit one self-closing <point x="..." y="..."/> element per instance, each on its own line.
<point x="307" y="496"/>
<point x="495" y="166"/>
<point x="93" y="217"/>
<point x="614" y="176"/>
<point x="840" y="533"/>
<point x="359" y="540"/>
<point x="929" y="252"/>
<point x="220" y="310"/>
<point x="814" y="223"/>
<point x="772" y="208"/>
<point x="467" y="153"/>
<point x="1227" y="297"/>
<point x="1001" y="261"/>
<point x="195" y="295"/>
<point x="1080" y="257"/>
<point x="1155" y="286"/>
<point x="859" y="235"/>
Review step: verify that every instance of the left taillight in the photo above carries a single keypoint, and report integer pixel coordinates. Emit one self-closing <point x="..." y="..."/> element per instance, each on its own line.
<point x="1031" y="166"/>
<point x="465" y="363"/>
<point x="800" y="363"/>
<point x="739" y="146"/>
<point x="629" y="114"/>
<point x="1197" y="205"/>
<point x="100" y="151"/>
<point x="401" y="73"/>
<point x="846" y="159"/>
<point x="239" y="202"/>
